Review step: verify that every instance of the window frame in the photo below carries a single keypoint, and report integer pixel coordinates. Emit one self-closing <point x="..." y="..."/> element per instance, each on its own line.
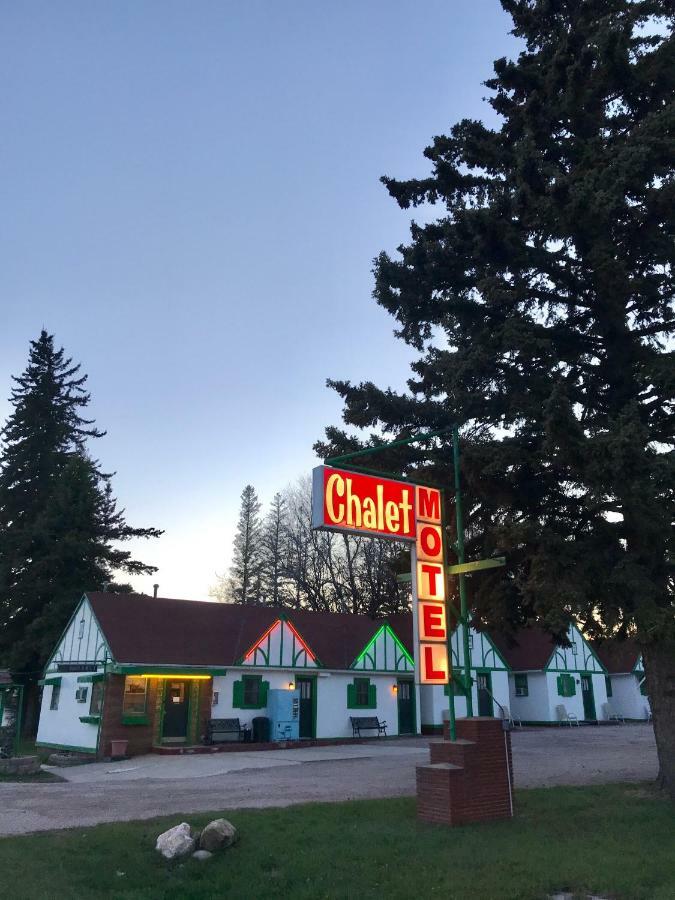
<point x="134" y="713"/>
<point x="55" y="697"/>
<point x="521" y="684"/>
<point x="96" y="709"/>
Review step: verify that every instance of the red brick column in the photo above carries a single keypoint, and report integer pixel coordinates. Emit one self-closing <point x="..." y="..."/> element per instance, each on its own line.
<point x="469" y="779"/>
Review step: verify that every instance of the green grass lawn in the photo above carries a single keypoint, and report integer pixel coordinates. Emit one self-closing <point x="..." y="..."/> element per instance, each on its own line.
<point x="617" y="841"/>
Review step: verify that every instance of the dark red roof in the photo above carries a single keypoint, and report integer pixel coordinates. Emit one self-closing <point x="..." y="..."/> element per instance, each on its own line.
<point x="618" y="656"/>
<point x="528" y="649"/>
<point x="162" y="631"/>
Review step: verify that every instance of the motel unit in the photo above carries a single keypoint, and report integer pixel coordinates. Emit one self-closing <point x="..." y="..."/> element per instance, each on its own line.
<point x="545" y="677"/>
<point x="153" y="671"/>
<point x="626" y="684"/>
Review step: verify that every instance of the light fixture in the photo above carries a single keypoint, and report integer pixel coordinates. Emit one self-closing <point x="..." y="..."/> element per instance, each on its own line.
<point x="394" y="689"/>
<point x="176" y="677"/>
<point x="291" y="685"/>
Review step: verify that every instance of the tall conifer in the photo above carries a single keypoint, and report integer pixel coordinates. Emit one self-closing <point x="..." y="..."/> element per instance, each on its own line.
<point x="59" y="526"/>
<point x="541" y="304"/>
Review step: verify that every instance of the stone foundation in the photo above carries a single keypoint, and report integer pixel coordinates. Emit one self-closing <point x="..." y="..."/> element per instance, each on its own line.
<point x="20" y="765"/>
<point x="469" y="779"/>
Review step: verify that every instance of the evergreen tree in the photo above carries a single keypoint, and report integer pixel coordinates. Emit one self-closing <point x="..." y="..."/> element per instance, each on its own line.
<point x="58" y="518"/>
<point x="541" y="304"/>
<point x="245" y="572"/>
<point x="274" y="551"/>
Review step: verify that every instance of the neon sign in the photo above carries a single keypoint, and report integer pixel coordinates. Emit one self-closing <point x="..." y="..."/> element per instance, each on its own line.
<point x="381" y="507"/>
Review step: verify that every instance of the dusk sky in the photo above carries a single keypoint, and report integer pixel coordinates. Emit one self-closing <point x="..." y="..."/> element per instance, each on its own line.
<point x="190" y="202"/>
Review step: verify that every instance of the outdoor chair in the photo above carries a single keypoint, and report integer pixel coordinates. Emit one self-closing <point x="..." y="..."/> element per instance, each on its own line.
<point x="510" y="718"/>
<point x="612" y="716"/>
<point x="565" y="717"/>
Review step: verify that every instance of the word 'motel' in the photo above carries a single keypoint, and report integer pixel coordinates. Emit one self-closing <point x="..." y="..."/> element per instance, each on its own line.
<point x="352" y="502"/>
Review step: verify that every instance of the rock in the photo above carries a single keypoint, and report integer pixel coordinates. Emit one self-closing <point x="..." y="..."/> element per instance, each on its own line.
<point x="176" y="842"/>
<point x="202" y="855"/>
<point x="217" y="835"/>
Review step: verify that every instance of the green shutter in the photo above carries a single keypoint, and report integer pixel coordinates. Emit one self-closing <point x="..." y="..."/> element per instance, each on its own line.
<point x="372" y="696"/>
<point x="238" y="694"/>
<point x="608" y="685"/>
<point x="572" y="686"/>
<point x="351" y="696"/>
<point x="262" y="696"/>
<point x="560" y="683"/>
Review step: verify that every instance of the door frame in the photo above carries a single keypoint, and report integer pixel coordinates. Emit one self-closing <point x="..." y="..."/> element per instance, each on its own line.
<point x="188" y="694"/>
<point x="303" y="676"/>
<point x="488" y="674"/>
<point x="413" y="708"/>
<point x="591" y="694"/>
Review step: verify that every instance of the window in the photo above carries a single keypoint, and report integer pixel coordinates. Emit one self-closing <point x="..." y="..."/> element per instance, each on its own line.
<point x="250" y="692"/>
<point x="574" y="650"/>
<point x="81" y="694"/>
<point x="214" y="699"/>
<point x="521" y="685"/>
<point x="96" y="702"/>
<point x="56" y="693"/>
<point x="80" y="633"/>
<point x="608" y="686"/>
<point x="361" y="694"/>
<point x="135" y="693"/>
<point x="566" y="686"/>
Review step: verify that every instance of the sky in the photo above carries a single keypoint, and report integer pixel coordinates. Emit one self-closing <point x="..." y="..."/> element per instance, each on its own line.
<point x="190" y="202"/>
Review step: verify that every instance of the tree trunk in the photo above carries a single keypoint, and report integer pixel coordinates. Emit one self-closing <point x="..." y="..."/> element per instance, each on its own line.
<point x="659" y="659"/>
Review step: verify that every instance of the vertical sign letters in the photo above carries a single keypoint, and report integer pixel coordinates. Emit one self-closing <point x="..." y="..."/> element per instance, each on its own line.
<point x="356" y="503"/>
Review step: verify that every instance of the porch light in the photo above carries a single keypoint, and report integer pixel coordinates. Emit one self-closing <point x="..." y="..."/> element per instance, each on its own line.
<point x="291" y="685"/>
<point x="394" y="689"/>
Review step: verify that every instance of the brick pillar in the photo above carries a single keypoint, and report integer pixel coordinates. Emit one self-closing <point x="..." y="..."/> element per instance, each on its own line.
<point x="468" y="779"/>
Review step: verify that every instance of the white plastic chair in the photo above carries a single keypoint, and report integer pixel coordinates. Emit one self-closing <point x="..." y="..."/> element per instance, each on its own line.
<point x="610" y="715"/>
<point x="512" y="720"/>
<point x="564" y="716"/>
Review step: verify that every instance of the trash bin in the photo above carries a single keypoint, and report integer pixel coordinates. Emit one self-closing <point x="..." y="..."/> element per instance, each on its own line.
<point x="261" y="729"/>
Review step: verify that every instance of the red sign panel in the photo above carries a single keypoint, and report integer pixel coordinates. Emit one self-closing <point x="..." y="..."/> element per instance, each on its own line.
<point x="349" y="501"/>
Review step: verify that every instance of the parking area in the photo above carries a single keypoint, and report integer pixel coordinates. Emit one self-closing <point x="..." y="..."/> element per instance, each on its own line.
<point x="159" y="785"/>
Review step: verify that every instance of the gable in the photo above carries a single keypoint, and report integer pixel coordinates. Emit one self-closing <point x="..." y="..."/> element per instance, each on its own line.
<point x="579" y="657"/>
<point x="280" y="646"/>
<point x="384" y="652"/>
<point x="482" y="651"/>
<point x="82" y="641"/>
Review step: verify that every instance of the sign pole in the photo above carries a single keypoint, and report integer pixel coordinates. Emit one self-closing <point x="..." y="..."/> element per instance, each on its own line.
<point x="462" y="578"/>
<point x="451" y="681"/>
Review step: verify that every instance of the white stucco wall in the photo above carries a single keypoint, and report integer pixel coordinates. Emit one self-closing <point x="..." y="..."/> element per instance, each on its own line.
<point x="332" y="714"/>
<point x="62" y="726"/>
<point x="626" y="699"/>
<point x="536" y="706"/>
<point x="436" y="704"/>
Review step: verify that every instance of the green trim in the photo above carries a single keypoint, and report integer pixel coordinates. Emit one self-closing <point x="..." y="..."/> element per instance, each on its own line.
<point x="352" y="695"/>
<point x="411" y="682"/>
<point x="88" y="679"/>
<point x="65" y="747"/>
<point x="239" y="693"/>
<point x="366" y="653"/>
<point x="178" y="671"/>
<point x="315" y="686"/>
<point x="90" y="720"/>
<point x="45" y="681"/>
<point x="140" y="719"/>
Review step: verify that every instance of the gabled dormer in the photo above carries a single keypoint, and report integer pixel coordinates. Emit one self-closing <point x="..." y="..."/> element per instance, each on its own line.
<point x="82" y="642"/>
<point x="384" y="652"/>
<point x="281" y="646"/>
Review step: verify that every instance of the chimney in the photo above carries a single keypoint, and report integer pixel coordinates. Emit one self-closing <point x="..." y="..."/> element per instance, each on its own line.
<point x="155" y="588"/>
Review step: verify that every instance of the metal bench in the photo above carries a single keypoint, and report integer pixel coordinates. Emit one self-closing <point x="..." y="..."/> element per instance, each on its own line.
<point x="218" y="731"/>
<point x="367" y="723"/>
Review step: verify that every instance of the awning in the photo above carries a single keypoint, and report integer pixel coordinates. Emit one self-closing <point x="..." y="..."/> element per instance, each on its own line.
<point x="91" y="676"/>
<point x="55" y="680"/>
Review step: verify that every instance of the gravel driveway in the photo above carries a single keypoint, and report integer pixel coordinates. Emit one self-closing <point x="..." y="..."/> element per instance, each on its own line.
<point x="159" y="785"/>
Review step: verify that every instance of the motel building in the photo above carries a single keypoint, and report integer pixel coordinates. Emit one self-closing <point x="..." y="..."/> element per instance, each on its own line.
<point x="548" y="683"/>
<point x="626" y="686"/>
<point x="153" y="672"/>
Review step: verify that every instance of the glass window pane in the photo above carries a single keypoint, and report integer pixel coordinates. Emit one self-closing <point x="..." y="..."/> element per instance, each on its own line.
<point x="135" y="690"/>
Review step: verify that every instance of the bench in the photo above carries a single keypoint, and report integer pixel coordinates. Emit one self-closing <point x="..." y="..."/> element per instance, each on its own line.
<point x="218" y="731"/>
<point x="367" y="723"/>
